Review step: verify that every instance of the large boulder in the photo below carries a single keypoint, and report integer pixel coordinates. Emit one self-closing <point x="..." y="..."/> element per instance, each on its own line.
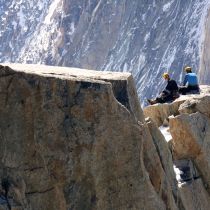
<point x="75" y="139"/>
<point x="191" y="140"/>
<point x="188" y="132"/>
<point x="197" y="104"/>
<point x="122" y="84"/>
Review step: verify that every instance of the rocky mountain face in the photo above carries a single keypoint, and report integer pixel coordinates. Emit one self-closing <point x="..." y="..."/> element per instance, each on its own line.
<point x="204" y="66"/>
<point x="189" y="124"/>
<point x="145" y="38"/>
<point x="77" y="139"/>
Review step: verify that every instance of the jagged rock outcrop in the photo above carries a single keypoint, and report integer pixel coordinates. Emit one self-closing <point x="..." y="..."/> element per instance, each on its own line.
<point x="159" y="113"/>
<point x="189" y="126"/>
<point x="191" y="137"/>
<point x="78" y="140"/>
<point x="197" y="104"/>
<point x="191" y="140"/>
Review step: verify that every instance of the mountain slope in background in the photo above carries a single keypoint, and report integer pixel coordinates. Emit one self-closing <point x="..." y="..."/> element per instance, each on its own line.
<point x="142" y="37"/>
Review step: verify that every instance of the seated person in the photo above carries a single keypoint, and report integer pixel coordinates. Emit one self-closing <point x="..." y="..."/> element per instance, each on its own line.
<point x="169" y="94"/>
<point x="190" y="84"/>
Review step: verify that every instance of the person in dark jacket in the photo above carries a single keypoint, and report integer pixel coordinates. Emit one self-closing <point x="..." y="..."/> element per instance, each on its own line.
<point x="170" y="92"/>
<point x="190" y="83"/>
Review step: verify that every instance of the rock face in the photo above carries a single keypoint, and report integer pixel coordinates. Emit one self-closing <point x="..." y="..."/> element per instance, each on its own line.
<point x="190" y="129"/>
<point x="204" y="75"/>
<point x="160" y="113"/>
<point x="158" y="162"/>
<point x="191" y="137"/>
<point x="78" y="140"/>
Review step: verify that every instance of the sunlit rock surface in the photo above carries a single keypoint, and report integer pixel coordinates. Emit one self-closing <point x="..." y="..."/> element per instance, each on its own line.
<point x="77" y="139"/>
<point x="159" y="113"/>
<point x="204" y="74"/>
<point x="196" y="104"/>
<point x="189" y="125"/>
<point x="191" y="136"/>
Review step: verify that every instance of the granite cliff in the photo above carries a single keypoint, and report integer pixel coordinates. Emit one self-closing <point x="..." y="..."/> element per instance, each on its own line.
<point x="78" y="140"/>
<point x="188" y="121"/>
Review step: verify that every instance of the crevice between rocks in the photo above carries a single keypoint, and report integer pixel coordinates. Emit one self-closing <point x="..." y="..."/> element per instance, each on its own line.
<point x="40" y="192"/>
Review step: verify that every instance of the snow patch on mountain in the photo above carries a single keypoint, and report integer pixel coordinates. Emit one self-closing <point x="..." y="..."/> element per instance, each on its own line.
<point x="51" y="11"/>
<point x="167" y="6"/>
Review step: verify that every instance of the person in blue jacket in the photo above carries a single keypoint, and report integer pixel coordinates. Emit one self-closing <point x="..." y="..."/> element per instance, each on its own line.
<point x="190" y="83"/>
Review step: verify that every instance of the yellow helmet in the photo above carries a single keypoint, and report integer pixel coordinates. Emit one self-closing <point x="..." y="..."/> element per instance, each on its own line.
<point x="188" y="69"/>
<point x="166" y="75"/>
